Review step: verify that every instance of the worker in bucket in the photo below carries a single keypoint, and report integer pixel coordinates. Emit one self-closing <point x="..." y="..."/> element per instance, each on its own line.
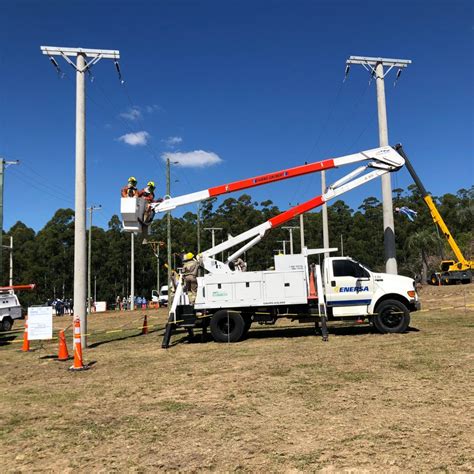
<point x="130" y="190"/>
<point x="148" y="194"/>
<point x="190" y="272"/>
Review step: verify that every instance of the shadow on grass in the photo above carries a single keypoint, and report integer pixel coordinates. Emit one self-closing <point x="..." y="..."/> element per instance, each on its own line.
<point x="266" y="332"/>
<point x="7" y="340"/>
<point x="117" y="339"/>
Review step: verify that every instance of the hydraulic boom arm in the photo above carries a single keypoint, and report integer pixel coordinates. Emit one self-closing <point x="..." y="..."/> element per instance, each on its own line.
<point x="256" y="234"/>
<point x="384" y="156"/>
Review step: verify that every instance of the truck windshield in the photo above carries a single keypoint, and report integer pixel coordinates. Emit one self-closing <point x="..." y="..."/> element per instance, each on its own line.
<point x="164" y="292"/>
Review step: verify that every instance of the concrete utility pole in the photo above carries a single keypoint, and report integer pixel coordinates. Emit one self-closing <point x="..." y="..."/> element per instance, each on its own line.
<point x="10" y="282"/>
<point x="301" y="229"/>
<point x="81" y="66"/>
<point x="132" y="271"/>
<point x="213" y="235"/>
<point x="302" y="232"/>
<point x="376" y="68"/>
<point x="325" y="215"/>
<point x="89" y="258"/>
<point x="198" y="227"/>
<point x="155" y="245"/>
<point x="3" y="164"/>
<point x="291" y="229"/>
<point x="168" y="229"/>
<point x="284" y="245"/>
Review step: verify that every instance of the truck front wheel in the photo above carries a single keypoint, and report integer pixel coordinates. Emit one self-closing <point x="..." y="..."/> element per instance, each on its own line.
<point x="391" y="316"/>
<point x="227" y="326"/>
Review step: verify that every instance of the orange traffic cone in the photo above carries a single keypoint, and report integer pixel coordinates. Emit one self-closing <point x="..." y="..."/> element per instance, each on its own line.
<point x="78" y="362"/>
<point x="63" y="353"/>
<point x="145" y="325"/>
<point x="312" y="288"/>
<point x="26" y="343"/>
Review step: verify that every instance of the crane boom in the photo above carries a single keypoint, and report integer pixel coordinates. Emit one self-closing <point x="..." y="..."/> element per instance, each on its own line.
<point x="462" y="263"/>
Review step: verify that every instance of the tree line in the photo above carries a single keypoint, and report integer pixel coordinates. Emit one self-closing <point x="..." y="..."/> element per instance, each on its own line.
<point x="46" y="257"/>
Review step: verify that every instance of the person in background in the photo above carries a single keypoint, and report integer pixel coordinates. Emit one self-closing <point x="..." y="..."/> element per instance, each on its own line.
<point x="130" y="190"/>
<point x="117" y="303"/>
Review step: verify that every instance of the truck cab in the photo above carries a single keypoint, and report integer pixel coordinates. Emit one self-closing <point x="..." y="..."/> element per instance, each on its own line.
<point x="352" y="289"/>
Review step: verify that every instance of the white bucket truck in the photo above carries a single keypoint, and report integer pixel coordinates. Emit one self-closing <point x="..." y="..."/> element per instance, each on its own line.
<point x="228" y="300"/>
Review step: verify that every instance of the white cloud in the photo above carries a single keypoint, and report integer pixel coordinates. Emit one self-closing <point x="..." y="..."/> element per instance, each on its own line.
<point x="171" y="142"/>
<point x="193" y="159"/>
<point x="134" y="139"/>
<point x="152" y="108"/>
<point x="133" y="113"/>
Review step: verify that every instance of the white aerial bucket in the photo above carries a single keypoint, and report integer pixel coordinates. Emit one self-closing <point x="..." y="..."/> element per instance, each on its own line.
<point x="132" y="210"/>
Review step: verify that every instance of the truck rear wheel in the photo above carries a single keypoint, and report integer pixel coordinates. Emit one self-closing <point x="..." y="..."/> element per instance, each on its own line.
<point x="392" y="316"/>
<point x="227" y="326"/>
<point x="6" y="324"/>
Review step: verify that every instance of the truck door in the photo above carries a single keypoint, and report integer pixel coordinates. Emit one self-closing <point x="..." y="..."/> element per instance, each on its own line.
<point x="349" y="287"/>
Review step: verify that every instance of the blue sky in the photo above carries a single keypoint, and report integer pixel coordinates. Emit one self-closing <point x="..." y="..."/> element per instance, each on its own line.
<point x="257" y="85"/>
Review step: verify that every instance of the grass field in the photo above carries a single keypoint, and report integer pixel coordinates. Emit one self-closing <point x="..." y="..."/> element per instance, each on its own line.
<point x="282" y="400"/>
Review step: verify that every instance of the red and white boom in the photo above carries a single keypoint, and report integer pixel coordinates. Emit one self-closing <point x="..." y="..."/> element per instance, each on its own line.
<point x="381" y="160"/>
<point x="384" y="155"/>
<point x="31" y="286"/>
<point x="384" y="160"/>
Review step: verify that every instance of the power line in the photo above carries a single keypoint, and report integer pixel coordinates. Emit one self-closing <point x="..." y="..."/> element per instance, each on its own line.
<point x="45" y="190"/>
<point x="349" y="118"/>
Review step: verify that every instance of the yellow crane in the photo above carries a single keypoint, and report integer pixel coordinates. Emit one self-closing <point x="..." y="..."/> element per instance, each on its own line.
<point x="451" y="271"/>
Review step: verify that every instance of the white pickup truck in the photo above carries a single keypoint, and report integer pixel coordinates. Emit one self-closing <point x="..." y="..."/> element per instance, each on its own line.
<point x="162" y="297"/>
<point x="10" y="309"/>
<point x="343" y="289"/>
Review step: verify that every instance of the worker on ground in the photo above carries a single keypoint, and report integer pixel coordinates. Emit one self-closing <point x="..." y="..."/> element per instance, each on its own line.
<point x="190" y="271"/>
<point x="131" y="189"/>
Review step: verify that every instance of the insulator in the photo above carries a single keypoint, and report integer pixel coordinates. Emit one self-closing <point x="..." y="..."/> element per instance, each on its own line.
<point x="117" y="66"/>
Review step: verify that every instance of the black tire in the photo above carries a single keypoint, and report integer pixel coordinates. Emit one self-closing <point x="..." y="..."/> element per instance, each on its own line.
<point x="392" y="316"/>
<point x="6" y="324"/>
<point x="434" y="280"/>
<point x="227" y="326"/>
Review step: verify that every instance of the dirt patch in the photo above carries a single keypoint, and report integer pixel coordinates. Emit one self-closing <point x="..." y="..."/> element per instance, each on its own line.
<point x="282" y="400"/>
